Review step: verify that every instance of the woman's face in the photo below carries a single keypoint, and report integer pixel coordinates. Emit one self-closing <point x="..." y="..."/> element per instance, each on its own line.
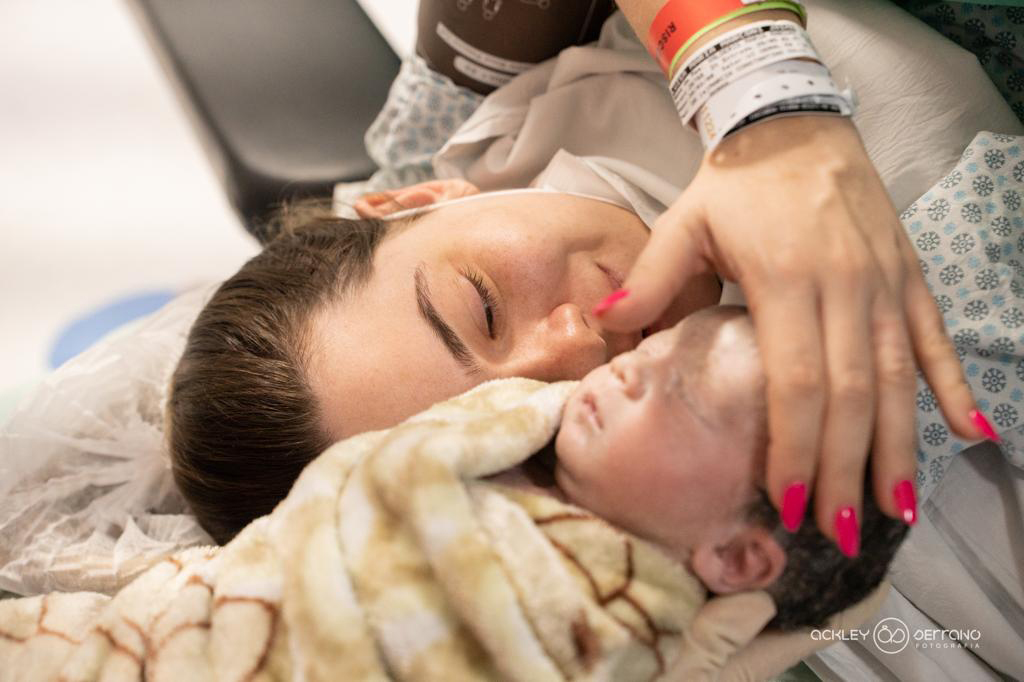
<point x="494" y="287"/>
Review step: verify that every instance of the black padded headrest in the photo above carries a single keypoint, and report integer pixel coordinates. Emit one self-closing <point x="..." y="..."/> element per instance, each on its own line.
<point x="281" y="91"/>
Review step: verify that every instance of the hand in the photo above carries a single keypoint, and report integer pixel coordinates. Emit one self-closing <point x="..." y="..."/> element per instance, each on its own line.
<point x="793" y="210"/>
<point x="725" y="641"/>
<point x="723" y="627"/>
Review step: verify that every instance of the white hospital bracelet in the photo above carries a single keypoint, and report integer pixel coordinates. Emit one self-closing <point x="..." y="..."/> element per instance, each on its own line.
<point x="792" y="87"/>
<point x="734" y="55"/>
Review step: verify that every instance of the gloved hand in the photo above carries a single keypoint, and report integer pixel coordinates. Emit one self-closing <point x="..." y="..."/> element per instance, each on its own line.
<point x="724" y="642"/>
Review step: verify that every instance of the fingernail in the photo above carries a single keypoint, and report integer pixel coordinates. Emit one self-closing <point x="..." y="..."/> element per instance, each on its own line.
<point x="906" y="501"/>
<point x="848" y="532"/>
<point x="982" y="423"/>
<point x="794" y="501"/>
<point x="613" y="298"/>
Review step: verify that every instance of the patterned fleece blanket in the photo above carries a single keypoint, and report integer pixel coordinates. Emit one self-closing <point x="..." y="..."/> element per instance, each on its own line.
<point x="391" y="558"/>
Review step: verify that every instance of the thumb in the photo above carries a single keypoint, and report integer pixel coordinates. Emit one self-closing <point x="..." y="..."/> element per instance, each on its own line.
<point x="671" y="257"/>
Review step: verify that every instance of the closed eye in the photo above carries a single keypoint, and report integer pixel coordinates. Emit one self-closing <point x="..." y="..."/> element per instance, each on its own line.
<point x="487" y="299"/>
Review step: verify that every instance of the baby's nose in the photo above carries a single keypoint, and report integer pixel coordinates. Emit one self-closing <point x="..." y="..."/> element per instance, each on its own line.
<point x="629" y="375"/>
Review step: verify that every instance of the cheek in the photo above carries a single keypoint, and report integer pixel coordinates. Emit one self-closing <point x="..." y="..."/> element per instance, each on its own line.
<point x="632" y="242"/>
<point x="570" y="442"/>
<point x="715" y="480"/>
<point x="590" y="466"/>
<point x="634" y="464"/>
<point x="528" y="263"/>
<point x="662" y="463"/>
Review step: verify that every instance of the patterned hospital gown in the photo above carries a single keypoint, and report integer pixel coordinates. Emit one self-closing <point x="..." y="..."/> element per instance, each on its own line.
<point x="969" y="234"/>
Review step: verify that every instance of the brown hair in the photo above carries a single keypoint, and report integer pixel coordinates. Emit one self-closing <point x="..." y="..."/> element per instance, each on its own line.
<point x="242" y="419"/>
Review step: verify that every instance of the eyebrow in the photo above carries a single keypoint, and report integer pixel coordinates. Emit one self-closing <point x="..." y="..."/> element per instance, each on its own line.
<point x="452" y="343"/>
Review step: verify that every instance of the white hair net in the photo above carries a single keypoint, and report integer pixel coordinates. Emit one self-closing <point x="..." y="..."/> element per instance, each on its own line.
<point x="87" y="500"/>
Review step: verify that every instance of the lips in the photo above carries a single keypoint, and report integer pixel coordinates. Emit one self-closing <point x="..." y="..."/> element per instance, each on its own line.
<point x="590" y="405"/>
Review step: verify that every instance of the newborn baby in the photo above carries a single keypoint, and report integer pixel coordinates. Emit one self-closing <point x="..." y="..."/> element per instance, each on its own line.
<point x="667" y="442"/>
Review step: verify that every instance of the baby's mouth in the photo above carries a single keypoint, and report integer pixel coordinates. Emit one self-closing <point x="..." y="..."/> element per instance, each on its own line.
<point x="591" y="404"/>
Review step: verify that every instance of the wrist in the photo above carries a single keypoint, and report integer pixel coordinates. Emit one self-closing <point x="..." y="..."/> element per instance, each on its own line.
<point x="709" y="36"/>
<point x="787" y="89"/>
<point x="772" y="137"/>
<point x="765" y="68"/>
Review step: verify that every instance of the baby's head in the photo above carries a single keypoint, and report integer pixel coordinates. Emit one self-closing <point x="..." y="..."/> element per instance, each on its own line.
<point x="668" y="442"/>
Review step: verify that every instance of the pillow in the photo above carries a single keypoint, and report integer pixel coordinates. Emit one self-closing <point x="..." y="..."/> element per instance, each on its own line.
<point x="922" y="97"/>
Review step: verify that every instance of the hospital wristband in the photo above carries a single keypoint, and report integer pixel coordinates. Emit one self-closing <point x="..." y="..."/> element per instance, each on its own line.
<point x="789" y="88"/>
<point x="680" y="23"/>
<point x="732" y="56"/>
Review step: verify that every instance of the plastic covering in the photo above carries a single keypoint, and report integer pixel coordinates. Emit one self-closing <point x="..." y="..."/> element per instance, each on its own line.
<point x="87" y="500"/>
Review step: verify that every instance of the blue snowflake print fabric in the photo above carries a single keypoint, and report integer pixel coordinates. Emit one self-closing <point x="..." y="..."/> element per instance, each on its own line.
<point x="422" y="111"/>
<point x="968" y="231"/>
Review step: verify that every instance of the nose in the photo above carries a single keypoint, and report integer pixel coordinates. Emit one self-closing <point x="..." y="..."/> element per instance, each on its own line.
<point x="562" y="345"/>
<point x="629" y="375"/>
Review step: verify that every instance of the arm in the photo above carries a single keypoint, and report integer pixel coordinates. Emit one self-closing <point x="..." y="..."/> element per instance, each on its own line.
<point x="641" y="13"/>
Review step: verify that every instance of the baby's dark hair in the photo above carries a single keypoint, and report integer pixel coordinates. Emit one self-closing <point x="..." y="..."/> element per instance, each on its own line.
<point x="242" y="418"/>
<point x="819" y="580"/>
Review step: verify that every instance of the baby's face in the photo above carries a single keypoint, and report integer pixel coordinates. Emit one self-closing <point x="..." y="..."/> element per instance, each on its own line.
<point x="662" y="441"/>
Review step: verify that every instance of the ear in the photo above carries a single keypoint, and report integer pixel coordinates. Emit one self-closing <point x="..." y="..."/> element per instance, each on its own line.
<point x="750" y="559"/>
<point x="381" y="204"/>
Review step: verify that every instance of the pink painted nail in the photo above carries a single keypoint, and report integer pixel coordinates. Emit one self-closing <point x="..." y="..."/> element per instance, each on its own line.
<point x="794" y="501"/>
<point x="982" y="423"/>
<point x="906" y="501"/>
<point x="848" y="532"/>
<point x="613" y="298"/>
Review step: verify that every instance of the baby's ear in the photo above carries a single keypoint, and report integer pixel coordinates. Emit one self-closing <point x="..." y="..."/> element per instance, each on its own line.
<point x="750" y="559"/>
<point x="381" y="204"/>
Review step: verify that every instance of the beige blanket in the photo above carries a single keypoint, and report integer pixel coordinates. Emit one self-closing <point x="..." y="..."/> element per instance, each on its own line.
<point x="390" y="559"/>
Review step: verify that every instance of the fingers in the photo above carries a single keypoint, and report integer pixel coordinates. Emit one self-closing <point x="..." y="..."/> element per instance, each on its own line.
<point x="893" y="451"/>
<point x="938" y="359"/>
<point x="850" y="405"/>
<point x="670" y="258"/>
<point x="788" y="329"/>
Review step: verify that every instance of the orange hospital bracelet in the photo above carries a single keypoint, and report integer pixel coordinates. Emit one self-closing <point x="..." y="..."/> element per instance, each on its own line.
<point x="680" y="22"/>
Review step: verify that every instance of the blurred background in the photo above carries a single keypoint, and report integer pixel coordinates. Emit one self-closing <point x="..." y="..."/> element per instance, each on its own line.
<point x="108" y="204"/>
